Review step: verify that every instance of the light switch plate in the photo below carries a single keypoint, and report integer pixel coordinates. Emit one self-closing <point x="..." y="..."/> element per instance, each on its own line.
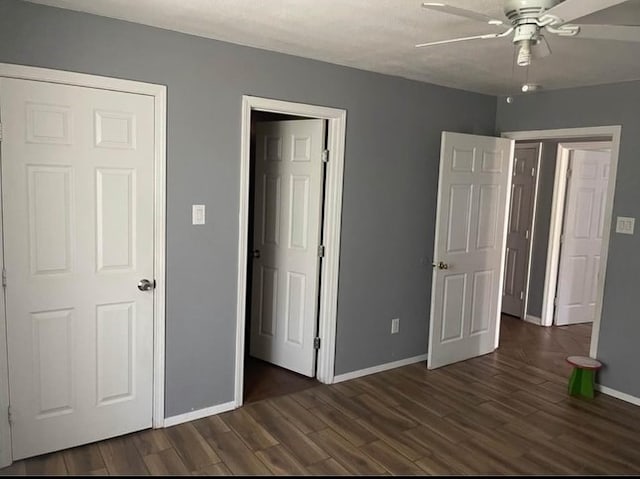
<point x="197" y="214"/>
<point x="625" y="225"/>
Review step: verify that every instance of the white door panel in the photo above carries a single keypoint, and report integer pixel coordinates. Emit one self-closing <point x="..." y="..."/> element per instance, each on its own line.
<point x="582" y="236"/>
<point x="77" y="181"/>
<point x="287" y="205"/>
<point x="470" y="239"/>
<point x="523" y="184"/>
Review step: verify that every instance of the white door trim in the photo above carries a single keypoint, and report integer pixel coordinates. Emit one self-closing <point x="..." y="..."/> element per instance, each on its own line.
<point x="567" y="134"/>
<point x="336" y="131"/>
<point x="159" y="94"/>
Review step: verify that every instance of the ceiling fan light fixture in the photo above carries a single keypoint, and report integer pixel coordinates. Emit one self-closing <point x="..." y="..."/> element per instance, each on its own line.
<point x="495" y="22"/>
<point x="529" y="87"/>
<point x="524" y="53"/>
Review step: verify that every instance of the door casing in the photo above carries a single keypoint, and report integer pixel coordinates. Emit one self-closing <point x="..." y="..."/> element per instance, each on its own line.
<point x="327" y="313"/>
<point x="159" y="94"/>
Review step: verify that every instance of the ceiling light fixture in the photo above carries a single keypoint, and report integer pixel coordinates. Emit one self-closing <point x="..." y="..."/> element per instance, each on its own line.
<point x="524" y="53"/>
<point x="529" y="87"/>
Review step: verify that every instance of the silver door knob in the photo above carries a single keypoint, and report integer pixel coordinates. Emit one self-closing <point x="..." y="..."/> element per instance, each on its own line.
<point x="255" y="253"/>
<point x="145" y="285"/>
<point x="441" y="265"/>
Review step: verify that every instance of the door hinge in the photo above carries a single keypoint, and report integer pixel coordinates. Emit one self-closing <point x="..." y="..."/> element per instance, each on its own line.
<point x="321" y="250"/>
<point x="533" y="172"/>
<point x="325" y="156"/>
<point x="521" y="295"/>
<point x="0" y="131"/>
<point x="9" y="417"/>
<point x="555" y="301"/>
<point x="526" y="234"/>
<point x="561" y="239"/>
<point x="4" y="278"/>
<point x="569" y="171"/>
<point x="316" y="343"/>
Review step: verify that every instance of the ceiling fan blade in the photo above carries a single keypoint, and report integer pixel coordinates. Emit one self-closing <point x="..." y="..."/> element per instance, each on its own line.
<point x="461" y="12"/>
<point x="571" y="9"/>
<point x="610" y="32"/>
<point x="464" y="39"/>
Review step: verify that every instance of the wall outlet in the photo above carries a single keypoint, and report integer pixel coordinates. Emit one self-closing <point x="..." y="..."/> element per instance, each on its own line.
<point x="395" y="325"/>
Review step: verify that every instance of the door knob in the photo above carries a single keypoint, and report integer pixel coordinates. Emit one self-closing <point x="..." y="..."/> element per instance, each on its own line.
<point x="441" y="265"/>
<point x="255" y="253"/>
<point x="145" y="285"/>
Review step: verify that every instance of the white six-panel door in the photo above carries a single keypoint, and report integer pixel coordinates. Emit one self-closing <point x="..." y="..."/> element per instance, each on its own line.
<point x="285" y="275"/>
<point x="77" y="196"/>
<point x="582" y="232"/>
<point x="523" y="185"/>
<point x="469" y="245"/>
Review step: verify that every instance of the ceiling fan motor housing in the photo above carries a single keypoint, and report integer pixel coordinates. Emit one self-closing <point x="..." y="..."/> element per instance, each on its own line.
<point x="526" y="11"/>
<point x="524" y="15"/>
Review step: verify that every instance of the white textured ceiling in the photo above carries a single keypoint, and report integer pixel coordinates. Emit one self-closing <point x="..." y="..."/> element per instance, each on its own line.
<point x="379" y="35"/>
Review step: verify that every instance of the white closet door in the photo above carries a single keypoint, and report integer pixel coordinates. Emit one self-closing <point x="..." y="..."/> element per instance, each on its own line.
<point x="77" y="186"/>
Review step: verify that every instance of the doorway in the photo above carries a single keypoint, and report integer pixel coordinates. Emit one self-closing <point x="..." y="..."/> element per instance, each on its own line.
<point x="569" y="229"/>
<point x="289" y="242"/>
<point x="470" y="240"/>
<point x="285" y="238"/>
<point x="526" y="274"/>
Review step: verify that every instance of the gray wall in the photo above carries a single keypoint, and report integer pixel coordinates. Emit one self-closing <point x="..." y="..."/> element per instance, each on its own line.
<point x="598" y="106"/>
<point x="541" y="227"/>
<point x="392" y="153"/>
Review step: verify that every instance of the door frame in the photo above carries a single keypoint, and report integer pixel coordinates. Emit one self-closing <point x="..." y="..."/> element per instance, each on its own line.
<point x="554" y="252"/>
<point x="565" y="136"/>
<point x="159" y="95"/>
<point x="329" y="267"/>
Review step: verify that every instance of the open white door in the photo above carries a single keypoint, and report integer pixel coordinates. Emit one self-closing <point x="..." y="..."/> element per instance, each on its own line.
<point x="581" y="244"/>
<point x="471" y="219"/>
<point x="78" y="209"/>
<point x="288" y="212"/>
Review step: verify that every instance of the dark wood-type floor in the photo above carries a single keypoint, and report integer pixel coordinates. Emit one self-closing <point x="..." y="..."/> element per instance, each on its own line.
<point x="503" y="413"/>
<point x="263" y="380"/>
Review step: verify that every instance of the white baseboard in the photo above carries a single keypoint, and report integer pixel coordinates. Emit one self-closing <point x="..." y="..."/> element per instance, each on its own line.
<point x="619" y="395"/>
<point x="199" y="414"/>
<point x="377" y="369"/>
<point x="533" y="319"/>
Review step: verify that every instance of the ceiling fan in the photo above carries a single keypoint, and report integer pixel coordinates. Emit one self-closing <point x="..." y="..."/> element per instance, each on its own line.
<point x="528" y="20"/>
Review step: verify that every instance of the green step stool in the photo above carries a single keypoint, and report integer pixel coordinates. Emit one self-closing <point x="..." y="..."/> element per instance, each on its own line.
<point x="583" y="376"/>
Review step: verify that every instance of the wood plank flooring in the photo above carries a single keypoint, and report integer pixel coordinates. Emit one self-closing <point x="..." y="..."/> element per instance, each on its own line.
<point x="503" y="413"/>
